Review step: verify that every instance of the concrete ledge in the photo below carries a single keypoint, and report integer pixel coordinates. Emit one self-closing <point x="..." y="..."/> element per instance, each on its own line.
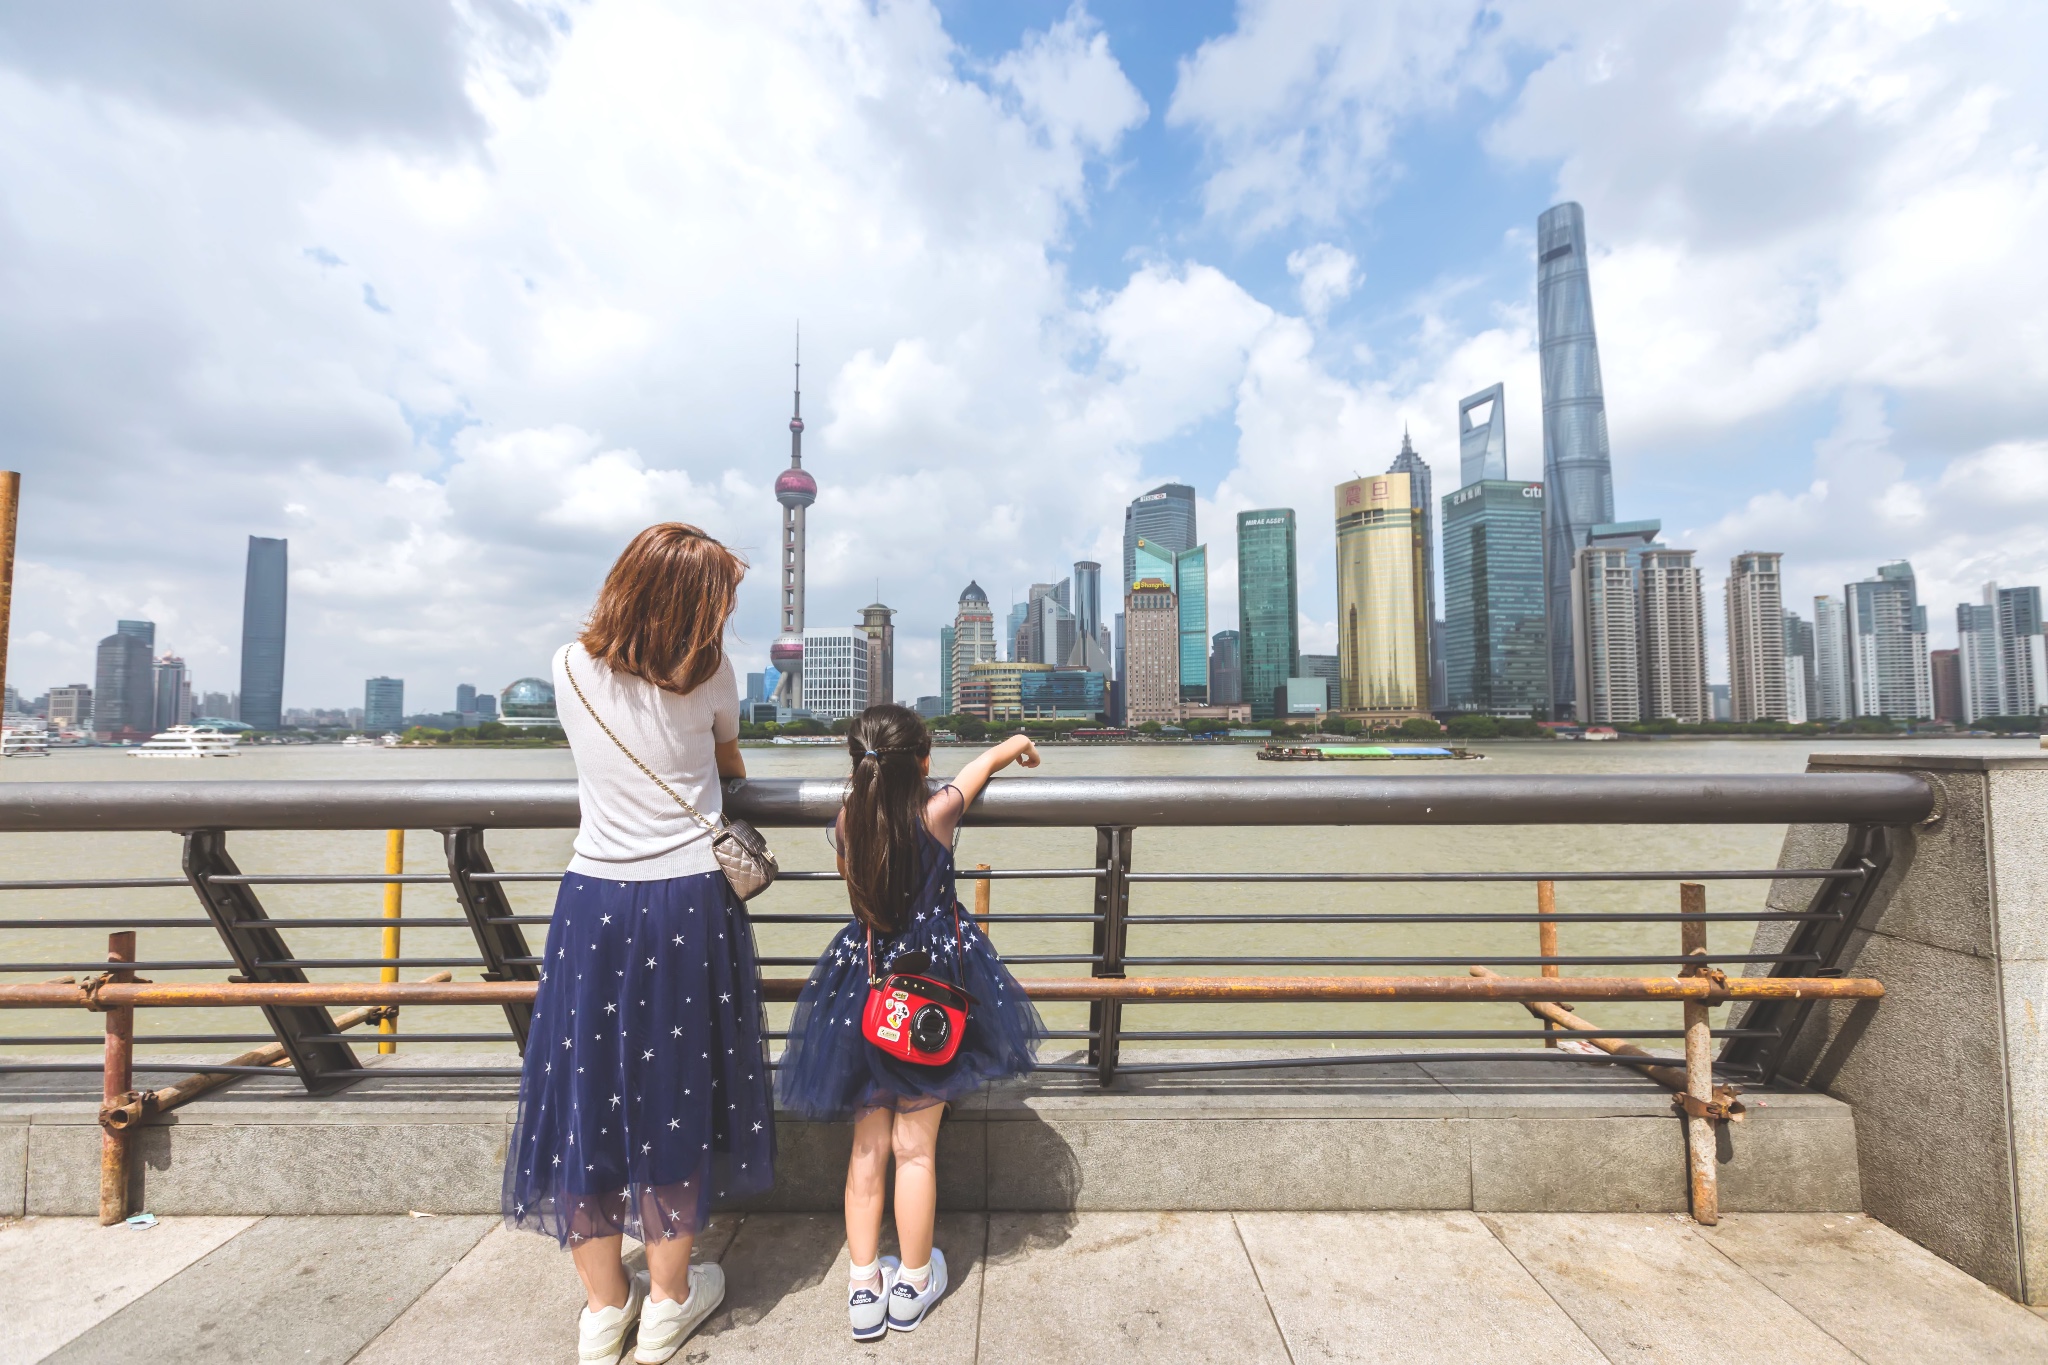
<point x="1500" y="1136"/>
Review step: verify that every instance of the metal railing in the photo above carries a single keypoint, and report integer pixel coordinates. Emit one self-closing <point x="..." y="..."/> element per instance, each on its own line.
<point x="257" y="951"/>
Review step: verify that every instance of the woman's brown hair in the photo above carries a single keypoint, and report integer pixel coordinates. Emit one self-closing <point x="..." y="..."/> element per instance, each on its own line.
<point x="662" y="611"/>
<point x="884" y="813"/>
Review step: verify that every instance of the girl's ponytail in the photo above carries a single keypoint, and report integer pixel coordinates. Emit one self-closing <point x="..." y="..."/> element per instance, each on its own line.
<point x="884" y="813"/>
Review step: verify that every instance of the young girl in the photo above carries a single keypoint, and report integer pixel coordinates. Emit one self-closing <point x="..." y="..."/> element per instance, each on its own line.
<point x="895" y="842"/>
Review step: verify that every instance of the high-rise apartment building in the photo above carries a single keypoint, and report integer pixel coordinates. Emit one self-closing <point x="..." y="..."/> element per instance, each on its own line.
<point x="1980" y="681"/>
<point x="1483" y="437"/>
<point x="973" y="642"/>
<point x="1166" y="517"/>
<point x="263" y="632"/>
<point x="1832" y="695"/>
<point x="173" y="693"/>
<point x="1606" y="656"/>
<point x="1424" y="505"/>
<point x="1887" y="630"/>
<point x="1944" y="667"/>
<point x="1496" y="653"/>
<point x="1186" y="575"/>
<point x="1151" y="652"/>
<point x="383" y="703"/>
<point x="1382" y="599"/>
<point x="877" y="622"/>
<point x="835" y="672"/>
<point x="1802" y="703"/>
<point x="946" y="638"/>
<point x="71" y="707"/>
<point x="124" y="687"/>
<point x="1268" y="607"/>
<point x="1226" y="684"/>
<point x="1577" y="479"/>
<point x="2022" y="660"/>
<point x="1671" y="638"/>
<point x="1755" y="608"/>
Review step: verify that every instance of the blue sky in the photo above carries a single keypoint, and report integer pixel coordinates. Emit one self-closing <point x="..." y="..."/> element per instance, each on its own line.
<point x="458" y="297"/>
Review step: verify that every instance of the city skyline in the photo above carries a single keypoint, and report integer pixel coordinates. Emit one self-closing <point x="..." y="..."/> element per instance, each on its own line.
<point x="456" y="430"/>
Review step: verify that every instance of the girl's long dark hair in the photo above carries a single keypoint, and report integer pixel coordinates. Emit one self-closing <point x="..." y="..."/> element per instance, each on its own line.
<point x="884" y="812"/>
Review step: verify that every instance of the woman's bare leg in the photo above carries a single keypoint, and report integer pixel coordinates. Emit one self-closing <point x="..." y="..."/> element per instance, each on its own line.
<point x="668" y="1268"/>
<point x="915" y="1138"/>
<point x="867" y="1174"/>
<point x="603" y="1273"/>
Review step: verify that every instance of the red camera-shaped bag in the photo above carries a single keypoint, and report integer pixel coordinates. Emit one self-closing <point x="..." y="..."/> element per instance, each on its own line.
<point x="915" y="1018"/>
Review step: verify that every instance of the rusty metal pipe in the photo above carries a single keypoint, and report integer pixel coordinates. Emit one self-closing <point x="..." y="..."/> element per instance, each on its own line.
<point x="137" y="1105"/>
<point x="1218" y="989"/>
<point x="1552" y="1013"/>
<point x="1699" y="1065"/>
<point x="117" y="1079"/>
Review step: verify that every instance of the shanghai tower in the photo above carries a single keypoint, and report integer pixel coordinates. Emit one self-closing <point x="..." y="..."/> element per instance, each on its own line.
<point x="1579" y="485"/>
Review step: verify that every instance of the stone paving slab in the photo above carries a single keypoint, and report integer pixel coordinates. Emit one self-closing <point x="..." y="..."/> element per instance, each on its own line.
<point x="61" y="1276"/>
<point x="1647" y="1288"/>
<point x="1404" y="1288"/>
<point x="1881" y="1295"/>
<point x="311" y="1289"/>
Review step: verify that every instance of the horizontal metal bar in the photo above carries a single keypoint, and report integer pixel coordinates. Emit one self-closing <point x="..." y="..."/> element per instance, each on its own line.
<point x="842" y="918"/>
<point x="1025" y="802"/>
<point x="95" y="884"/>
<point x="323" y="878"/>
<point x="181" y="1039"/>
<point x="1519" y="917"/>
<point x="515" y="876"/>
<point x="1772" y="874"/>
<point x="1236" y="989"/>
<point x="355" y="922"/>
<point x="394" y="961"/>
<point x="117" y="922"/>
<point x="100" y="964"/>
<point x="501" y="1036"/>
<point x="140" y="1065"/>
<point x="1529" y="1054"/>
<point x="1290" y="1035"/>
<point x="1616" y="960"/>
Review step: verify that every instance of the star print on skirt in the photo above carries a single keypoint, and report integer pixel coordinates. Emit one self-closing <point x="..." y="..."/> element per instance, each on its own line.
<point x="831" y="1071"/>
<point x="646" y="1091"/>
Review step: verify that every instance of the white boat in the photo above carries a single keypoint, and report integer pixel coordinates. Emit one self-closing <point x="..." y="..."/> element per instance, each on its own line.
<point x="810" y="739"/>
<point x="186" y="741"/>
<point x="358" y="742"/>
<point x="24" y="743"/>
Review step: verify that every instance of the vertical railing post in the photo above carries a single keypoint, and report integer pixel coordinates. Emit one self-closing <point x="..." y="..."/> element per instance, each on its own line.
<point x="1112" y="902"/>
<point x="117" y="1079"/>
<point x="1546" y="944"/>
<point x="1699" y="1063"/>
<point x="394" y="909"/>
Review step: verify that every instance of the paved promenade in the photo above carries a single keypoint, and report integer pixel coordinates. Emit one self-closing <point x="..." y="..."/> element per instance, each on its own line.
<point x="1186" y="1288"/>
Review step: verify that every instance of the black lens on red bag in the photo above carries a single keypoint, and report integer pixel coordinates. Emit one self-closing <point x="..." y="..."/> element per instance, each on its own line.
<point x="930" y="1029"/>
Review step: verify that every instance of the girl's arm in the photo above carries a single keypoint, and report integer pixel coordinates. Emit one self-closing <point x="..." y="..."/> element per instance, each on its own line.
<point x="730" y="761"/>
<point x="971" y="779"/>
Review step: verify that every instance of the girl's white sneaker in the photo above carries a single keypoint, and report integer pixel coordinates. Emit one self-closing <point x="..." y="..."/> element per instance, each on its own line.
<point x="665" y="1324"/>
<point x="600" y="1336"/>
<point x="868" y="1309"/>
<point x="908" y="1304"/>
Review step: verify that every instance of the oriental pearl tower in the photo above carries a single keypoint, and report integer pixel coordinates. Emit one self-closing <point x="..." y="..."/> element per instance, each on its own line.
<point x="795" y="490"/>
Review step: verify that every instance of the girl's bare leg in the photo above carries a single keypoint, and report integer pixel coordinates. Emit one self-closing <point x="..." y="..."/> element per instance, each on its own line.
<point x="603" y="1273"/>
<point x="668" y="1268"/>
<point x="867" y="1174"/>
<point x="915" y="1138"/>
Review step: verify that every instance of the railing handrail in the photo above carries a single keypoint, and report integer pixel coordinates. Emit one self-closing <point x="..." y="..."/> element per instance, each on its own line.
<point x="1026" y="802"/>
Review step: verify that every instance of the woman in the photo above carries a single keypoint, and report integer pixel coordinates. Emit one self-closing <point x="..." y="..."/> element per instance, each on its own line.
<point x="646" y="1091"/>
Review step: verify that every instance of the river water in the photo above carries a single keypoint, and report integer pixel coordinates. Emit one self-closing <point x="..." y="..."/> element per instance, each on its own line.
<point x="38" y="856"/>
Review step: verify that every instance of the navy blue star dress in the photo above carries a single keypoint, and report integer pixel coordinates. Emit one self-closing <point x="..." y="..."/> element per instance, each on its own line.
<point x="646" y="1091"/>
<point x="830" y="1070"/>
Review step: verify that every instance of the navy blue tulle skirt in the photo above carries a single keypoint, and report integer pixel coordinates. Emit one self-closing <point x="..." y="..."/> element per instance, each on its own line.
<point x="646" y="1092"/>
<point x="831" y="1071"/>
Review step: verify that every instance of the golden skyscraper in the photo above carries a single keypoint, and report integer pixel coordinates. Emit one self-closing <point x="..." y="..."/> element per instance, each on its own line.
<point x="1382" y="631"/>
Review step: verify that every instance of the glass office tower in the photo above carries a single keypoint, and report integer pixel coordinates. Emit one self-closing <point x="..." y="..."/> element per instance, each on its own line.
<point x="1483" y="440"/>
<point x="1268" y="608"/>
<point x="1578" y="482"/>
<point x="1419" y="496"/>
<point x="1496" y="658"/>
<point x="1165" y="516"/>
<point x="263" y="613"/>
<point x="1186" y="573"/>
<point x="1382" y="632"/>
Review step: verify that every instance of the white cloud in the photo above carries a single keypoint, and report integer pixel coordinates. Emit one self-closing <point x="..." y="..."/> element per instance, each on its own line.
<point x="1326" y="274"/>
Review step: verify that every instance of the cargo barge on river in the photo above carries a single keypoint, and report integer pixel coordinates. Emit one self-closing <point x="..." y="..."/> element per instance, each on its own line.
<point x="1358" y="753"/>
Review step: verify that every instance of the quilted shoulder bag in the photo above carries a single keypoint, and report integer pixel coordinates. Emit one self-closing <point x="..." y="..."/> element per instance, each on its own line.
<point x="743" y="855"/>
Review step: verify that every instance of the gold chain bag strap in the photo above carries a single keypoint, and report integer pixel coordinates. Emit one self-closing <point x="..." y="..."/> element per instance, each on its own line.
<point x="743" y="855"/>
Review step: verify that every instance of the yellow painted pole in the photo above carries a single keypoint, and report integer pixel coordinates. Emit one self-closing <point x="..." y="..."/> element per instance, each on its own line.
<point x="10" y="500"/>
<point x="394" y="903"/>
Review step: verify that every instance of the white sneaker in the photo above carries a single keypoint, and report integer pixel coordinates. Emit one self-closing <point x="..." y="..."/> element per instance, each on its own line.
<point x="666" y="1324"/>
<point x="600" y="1336"/>
<point x="869" y="1308"/>
<point x="908" y="1304"/>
